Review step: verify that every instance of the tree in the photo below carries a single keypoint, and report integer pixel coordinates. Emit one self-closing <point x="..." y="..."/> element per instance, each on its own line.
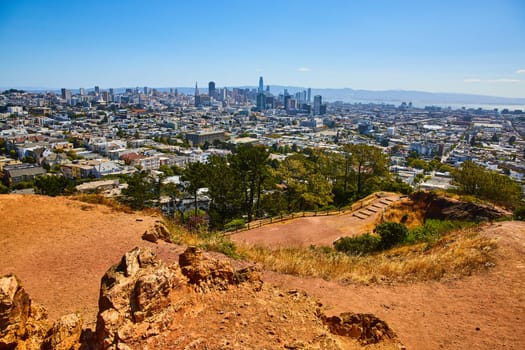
<point x="53" y="185"/>
<point x="3" y="189"/>
<point x="142" y="190"/>
<point x="368" y="161"/>
<point x="225" y="192"/>
<point x="196" y="174"/>
<point x="473" y="179"/>
<point x="251" y="163"/>
<point x="305" y="187"/>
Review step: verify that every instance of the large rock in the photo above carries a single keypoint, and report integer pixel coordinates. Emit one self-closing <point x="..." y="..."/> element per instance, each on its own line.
<point x="22" y="325"/>
<point x="156" y="232"/>
<point x="205" y="272"/>
<point x="65" y="333"/>
<point x="366" y="328"/>
<point x="135" y="290"/>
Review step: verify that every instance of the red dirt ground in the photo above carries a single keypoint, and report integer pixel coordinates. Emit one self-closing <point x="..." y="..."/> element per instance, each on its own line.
<point x="60" y="249"/>
<point x="317" y="230"/>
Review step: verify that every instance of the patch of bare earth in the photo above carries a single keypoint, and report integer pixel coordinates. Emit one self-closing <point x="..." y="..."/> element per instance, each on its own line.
<point x="60" y="248"/>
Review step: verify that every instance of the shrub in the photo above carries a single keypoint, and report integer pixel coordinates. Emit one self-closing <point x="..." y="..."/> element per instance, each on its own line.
<point x="218" y="243"/>
<point x="235" y="224"/>
<point x="434" y="229"/>
<point x="519" y="213"/>
<point x="391" y="233"/>
<point x="358" y="245"/>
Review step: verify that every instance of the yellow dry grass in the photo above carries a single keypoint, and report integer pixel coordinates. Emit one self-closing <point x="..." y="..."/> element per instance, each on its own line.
<point x="414" y="213"/>
<point x="457" y="254"/>
<point x="94" y="198"/>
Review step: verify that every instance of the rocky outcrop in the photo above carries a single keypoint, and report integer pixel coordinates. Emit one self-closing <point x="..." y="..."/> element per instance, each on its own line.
<point x="207" y="273"/>
<point x="157" y="232"/>
<point x="137" y="290"/>
<point x="201" y="303"/>
<point x="65" y="333"/>
<point x="366" y="328"/>
<point x="25" y="326"/>
<point x="439" y="207"/>
<point x="15" y="307"/>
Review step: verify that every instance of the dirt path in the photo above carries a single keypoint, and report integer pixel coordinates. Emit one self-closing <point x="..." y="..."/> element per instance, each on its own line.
<point x="485" y="311"/>
<point x="317" y="230"/>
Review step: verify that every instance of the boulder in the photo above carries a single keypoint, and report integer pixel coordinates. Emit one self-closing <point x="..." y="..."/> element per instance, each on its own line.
<point x="366" y="328"/>
<point x="158" y="231"/>
<point x="22" y="325"/>
<point x="135" y="290"/>
<point x="205" y="272"/>
<point x="65" y="333"/>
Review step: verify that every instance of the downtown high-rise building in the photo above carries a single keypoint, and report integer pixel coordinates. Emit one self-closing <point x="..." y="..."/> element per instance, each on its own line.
<point x="318" y="101"/>
<point x="261" y="86"/>
<point x="197" y="96"/>
<point x="211" y="90"/>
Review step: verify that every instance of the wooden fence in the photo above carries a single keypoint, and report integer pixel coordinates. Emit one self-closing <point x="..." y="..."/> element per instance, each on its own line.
<point x="284" y="217"/>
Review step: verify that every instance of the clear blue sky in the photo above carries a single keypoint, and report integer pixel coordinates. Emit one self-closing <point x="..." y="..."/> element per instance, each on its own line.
<point x="436" y="45"/>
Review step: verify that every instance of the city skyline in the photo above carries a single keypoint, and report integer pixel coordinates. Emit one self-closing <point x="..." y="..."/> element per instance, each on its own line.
<point x="466" y="47"/>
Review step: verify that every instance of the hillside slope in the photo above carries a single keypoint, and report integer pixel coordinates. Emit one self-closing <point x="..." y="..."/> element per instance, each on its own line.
<point x="60" y="249"/>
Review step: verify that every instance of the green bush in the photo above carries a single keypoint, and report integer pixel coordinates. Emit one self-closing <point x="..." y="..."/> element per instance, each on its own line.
<point x="433" y="229"/>
<point x="3" y="189"/>
<point x="391" y="233"/>
<point x="235" y="224"/>
<point x="519" y="213"/>
<point x="358" y="245"/>
<point x="218" y="243"/>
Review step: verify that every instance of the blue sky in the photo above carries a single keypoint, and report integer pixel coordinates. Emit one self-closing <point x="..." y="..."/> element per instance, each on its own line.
<point x="440" y="46"/>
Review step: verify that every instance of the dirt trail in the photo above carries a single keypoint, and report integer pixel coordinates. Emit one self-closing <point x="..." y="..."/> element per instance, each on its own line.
<point x="485" y="311"/>
<point x="317" y="230"/>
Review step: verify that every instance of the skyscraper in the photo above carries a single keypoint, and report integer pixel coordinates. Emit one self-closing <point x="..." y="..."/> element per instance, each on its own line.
<point x="97" y="90"/>
<point x="309" y="95"/>
<point x="211" y="90"/>
<point x="66" y="94"/>
<point x="261" y="85"/>
<point x="197" y="96"/>
<point x="318" y="100"/>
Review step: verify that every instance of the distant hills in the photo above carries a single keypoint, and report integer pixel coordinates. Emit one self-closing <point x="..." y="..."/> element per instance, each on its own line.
<point x="396" y="97"/>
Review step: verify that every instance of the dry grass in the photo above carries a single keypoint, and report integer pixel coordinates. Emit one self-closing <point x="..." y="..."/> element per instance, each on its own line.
<point x="414" y="213"/>
<point x="455" y="255"/>
<point x="100" y="199"/>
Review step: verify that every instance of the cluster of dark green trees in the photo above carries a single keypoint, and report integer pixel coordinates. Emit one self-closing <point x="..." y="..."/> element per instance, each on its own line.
<point x="473" y="179"/>
<point x="249" y="184"/>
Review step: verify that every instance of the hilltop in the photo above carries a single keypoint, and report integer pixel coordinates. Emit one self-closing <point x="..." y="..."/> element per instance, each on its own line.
<point x="60" y="248"/>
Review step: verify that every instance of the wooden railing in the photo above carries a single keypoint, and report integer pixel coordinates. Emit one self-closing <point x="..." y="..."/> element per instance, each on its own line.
<point x="285" y="217"/>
